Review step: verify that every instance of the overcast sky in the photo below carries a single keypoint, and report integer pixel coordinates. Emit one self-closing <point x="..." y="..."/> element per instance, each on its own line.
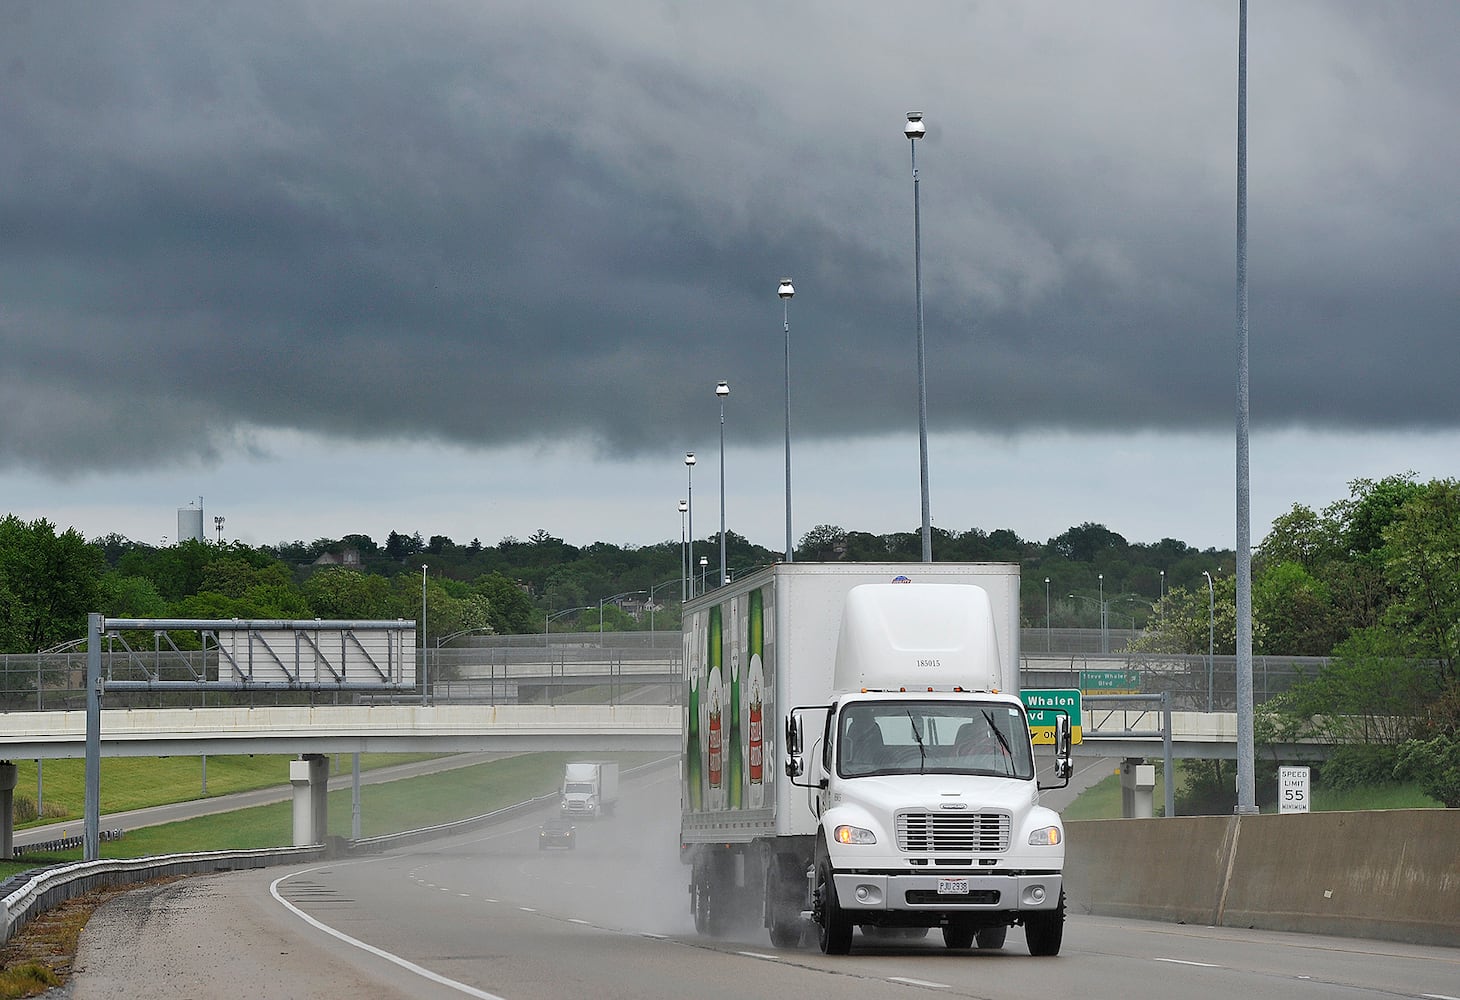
<point x="474" y="268"/>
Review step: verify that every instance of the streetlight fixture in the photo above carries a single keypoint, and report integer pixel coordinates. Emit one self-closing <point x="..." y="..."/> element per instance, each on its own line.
<point x="786" y="291"/>
<point x="1211" y="634"/>
<point x="1100" y="605"/>
<point x="602" y="601"/>
<point x="722" y="389"/>
<point x="553" y="616"/>
<point x="915" y="130"/>
<point x="704" y="563"/>
<point x="683" y="558"/>
<point x="689" y="464"/>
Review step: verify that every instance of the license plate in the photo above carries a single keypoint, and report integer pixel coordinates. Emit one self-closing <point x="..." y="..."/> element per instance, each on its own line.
<point x="952" y="886"/>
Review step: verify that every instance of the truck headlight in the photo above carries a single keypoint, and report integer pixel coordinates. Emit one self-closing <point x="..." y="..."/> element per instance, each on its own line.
<point x="1048" y="836"/>
<point x="853" y="835"/>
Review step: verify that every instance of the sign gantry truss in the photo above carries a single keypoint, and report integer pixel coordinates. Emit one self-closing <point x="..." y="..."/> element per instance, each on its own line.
<point x="254" y="655"/>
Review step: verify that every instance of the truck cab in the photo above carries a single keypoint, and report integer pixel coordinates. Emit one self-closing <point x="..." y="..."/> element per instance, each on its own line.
<point x="928" y="814"/>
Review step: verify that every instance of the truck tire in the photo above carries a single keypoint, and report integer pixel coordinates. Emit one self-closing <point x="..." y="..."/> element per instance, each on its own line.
<point x="958" y="936"/>
<point x="833" y="927"/>
<point x="990" y="938"/>
<point x="1045" y="931"/>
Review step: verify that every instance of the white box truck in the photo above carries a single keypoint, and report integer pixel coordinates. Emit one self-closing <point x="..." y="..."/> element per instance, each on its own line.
<point x="590" y="788"/>
<point x="904" y="795"/>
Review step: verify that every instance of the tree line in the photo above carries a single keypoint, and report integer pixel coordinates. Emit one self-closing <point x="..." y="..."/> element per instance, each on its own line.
<point x="1371" y="581"/>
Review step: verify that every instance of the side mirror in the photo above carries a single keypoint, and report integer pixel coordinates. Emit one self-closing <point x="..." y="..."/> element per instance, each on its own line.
<point x="795" y="764"/>
<point x="1062" y="746"/>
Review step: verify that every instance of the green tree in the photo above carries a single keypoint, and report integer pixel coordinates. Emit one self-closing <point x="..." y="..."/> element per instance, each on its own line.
<point x="1421" y="555"/>
<point x="339" y="593"/>
<point x="48" y="584"/>
<point x="1296" y="610"/>
<point x="510" y="610"/>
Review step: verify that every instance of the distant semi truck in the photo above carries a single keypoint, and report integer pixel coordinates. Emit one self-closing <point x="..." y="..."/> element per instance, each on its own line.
<point x="590" y="788"/>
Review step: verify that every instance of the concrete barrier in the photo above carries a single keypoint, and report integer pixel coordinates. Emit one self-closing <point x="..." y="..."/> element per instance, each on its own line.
<point x="1391" y="874"/>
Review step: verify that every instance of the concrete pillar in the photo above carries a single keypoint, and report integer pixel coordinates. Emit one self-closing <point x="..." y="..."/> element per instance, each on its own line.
<point x="1137" y="788"/>
<point x="319" y="787"/>
<point x="310" y="778"/>
<point x="8" y="778"/>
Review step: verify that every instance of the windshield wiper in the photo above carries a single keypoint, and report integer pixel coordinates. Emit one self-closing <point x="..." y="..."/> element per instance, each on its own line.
<point x="922" y="750"/>
<point x="1003" y="742"/>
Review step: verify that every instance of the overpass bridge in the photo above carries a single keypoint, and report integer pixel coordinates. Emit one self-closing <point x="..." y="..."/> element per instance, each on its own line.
<point x="518" y="694"/>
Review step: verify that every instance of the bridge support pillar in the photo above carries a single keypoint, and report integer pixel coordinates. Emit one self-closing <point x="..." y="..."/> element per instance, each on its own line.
<point x="1137" y="787"/>
<point x="8" y="779"/>
<point x="310" y="777"/>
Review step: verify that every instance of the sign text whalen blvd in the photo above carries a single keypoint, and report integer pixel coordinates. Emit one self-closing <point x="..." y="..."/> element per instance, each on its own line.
<point x="1044" y="705"/>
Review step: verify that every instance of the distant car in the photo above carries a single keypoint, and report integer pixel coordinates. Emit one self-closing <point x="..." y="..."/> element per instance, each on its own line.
<point x="557" y="833"/>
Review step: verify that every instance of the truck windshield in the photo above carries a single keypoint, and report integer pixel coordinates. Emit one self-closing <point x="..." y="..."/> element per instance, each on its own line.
<point x="933" y="737"/>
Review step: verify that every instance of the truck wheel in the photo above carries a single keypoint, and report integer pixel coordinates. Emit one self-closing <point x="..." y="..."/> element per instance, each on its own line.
<point x="699" y="899"/>
<point x="958" y="936"/>
<point x="786" y="933"/>
<point x="833" y="928"/>
<point x="1044" y="931"/>
<point x="990" y="938"/>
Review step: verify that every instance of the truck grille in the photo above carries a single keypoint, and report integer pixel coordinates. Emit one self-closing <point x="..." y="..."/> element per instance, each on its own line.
<point x="968" y="833"/>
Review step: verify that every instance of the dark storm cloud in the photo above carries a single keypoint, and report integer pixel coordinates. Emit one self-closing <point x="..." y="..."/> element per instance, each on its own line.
<point x="490" y="223"/>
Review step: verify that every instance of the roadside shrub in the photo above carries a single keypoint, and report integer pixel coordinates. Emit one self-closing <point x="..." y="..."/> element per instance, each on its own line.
<point x="1435" y="764"/>
<point x="1352" y="765"/>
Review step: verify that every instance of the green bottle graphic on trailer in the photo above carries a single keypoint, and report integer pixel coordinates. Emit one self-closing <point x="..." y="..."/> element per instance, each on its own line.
<point x="692" y="766"/>
<point x="735" y="778"/>
<point x="714" y="701"/>
<point x="754" y="665"/>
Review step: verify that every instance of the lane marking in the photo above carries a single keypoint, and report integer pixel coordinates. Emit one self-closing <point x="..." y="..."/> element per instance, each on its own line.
<point x="1177" y="961"/>
<point x="394" y="959"/>
<point x="1438" y="996"/>
<point x="759" y="955"/>
<point x="918" y="982"/>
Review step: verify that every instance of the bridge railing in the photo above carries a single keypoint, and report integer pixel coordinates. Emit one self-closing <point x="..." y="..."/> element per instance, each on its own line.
<point x="643" y="666"/>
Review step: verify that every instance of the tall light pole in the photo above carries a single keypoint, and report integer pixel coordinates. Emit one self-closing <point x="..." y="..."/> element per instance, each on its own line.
<point x="683" y="558"/>
<point x="689" y="464"/>
<point x="1211" y="633"/>
<point x="704" y="567"/>
<point x="1048" y="645"/>
<point x="1163" y="596"/>
<point x="914" y="130"/>
<point x="722" y="389"/>
<point x="1246" y="724"/>
<point x="786" y="291"/>
<point x="1104" y="618"/>
<point x="425" y="664"/>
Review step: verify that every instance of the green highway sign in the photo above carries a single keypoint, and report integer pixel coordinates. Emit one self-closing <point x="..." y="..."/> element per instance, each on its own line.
<point x="1110" y="682"/>
<point x="1041" y="705"/>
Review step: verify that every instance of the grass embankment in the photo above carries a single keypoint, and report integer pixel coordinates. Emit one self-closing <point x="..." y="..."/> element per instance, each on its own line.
<point x="387" y="807"/>
<point x="139" y="782"/>
<point x="1103" y="801"/>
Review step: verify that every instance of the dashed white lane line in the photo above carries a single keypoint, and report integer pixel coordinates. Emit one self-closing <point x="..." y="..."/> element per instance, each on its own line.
<point x="1177" y="961"/>
<point x="394" y="959"/>
<point x="918" y="982"/>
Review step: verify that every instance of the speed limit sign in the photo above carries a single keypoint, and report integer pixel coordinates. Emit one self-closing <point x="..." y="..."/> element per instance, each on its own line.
<point x="1292" y="789"/>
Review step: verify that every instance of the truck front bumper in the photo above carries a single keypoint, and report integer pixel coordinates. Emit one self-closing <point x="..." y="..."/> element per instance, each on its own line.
<point x="911" y="892"/>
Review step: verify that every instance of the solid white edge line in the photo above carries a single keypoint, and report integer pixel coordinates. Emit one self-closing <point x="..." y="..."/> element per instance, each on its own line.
<point x="1177" y="961"/>
<point x="918" y="982"/>
<point x="1438" y="996"/>
<point x="409" y="966"/>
